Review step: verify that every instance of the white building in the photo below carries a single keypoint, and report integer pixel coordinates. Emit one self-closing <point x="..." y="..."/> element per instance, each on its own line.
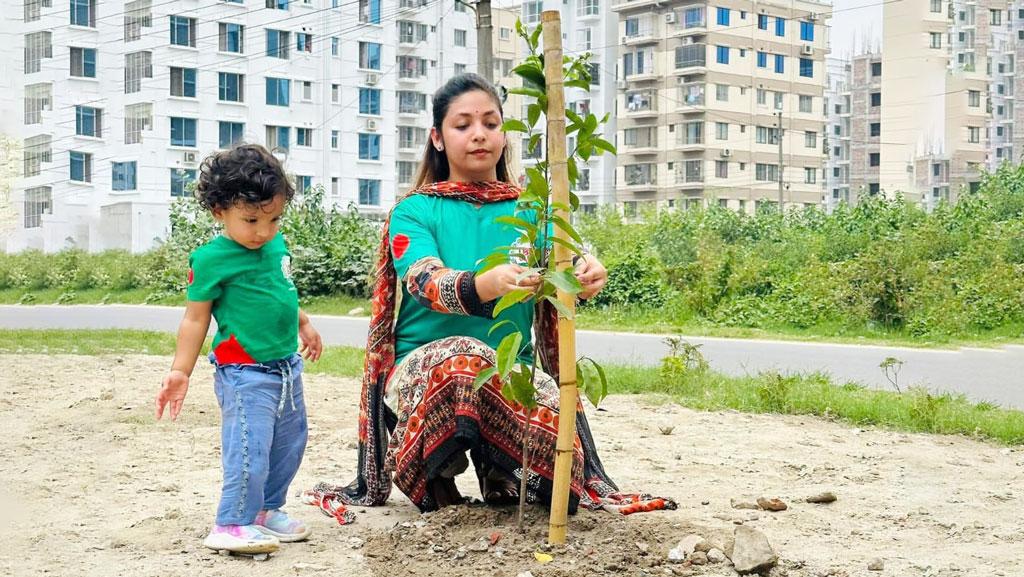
<point x="118" y="103"/>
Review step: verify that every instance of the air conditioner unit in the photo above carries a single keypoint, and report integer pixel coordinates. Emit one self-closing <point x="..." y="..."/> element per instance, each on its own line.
<point x="372" y="78"/>
<point x="189" y="157"/>
<point x="625" y="39"/>
<point x="371" y="124"/>
<point x="726" y="153"/>
<point x="688" y="40"/>
<point x="813" y="16"/>
<point x="621" y="85"/>
<point x="807" y="50"/>
<point x="670" y="18"/>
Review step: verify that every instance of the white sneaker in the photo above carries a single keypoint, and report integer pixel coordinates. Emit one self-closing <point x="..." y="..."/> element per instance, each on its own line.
<point x="247" y="539"/>
<point x="278" y="524"/>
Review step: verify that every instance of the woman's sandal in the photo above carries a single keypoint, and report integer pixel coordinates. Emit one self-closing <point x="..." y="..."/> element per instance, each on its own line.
<point x="499" y="491"/>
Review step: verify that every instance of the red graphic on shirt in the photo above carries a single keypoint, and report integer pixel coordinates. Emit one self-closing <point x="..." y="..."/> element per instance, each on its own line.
<point x="399" y="245"/>
<point x="191" y="276"/>
<point x="231" y="352"/>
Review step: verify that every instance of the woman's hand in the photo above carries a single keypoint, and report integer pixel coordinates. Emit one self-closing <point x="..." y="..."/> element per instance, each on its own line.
<point x="592" y="275"/>
<point x="501" y="280"/>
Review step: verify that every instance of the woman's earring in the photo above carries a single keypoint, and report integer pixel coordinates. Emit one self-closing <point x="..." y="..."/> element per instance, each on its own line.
<point x="440" y="148"/>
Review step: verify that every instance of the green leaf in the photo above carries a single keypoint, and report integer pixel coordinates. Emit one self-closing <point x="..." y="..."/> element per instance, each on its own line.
<point x="483" y="376"/>
<point x="578" y="83"/>
<point x="514" y="125"/>
<point x="574" y="201"/>
<point x="535" y="37"/>
<point x="532" y="92"/>
<point x="534" y="141"/>
<point x="595" y="391"/>
<point x="591" y="123"/>
<point x="517" y="222"/>
<point x="567" y="244"/>
<point x="489" y="262"/>
<point x="575" y="118"/>
<point x="533" y="114"/>
<point x="499" y="324"/>
<point x="511" y="299"/>
<point x="532" y="77"/>
<point x="603" y="144"/>
<point x="574" y="174"/>
<point x="523" y="389"/>
<point x="563" y="310"/>
<point x="528" y="272"/>
<point x="565" y="280"/>
<point x="568" y="228"/>
<point x="507" y="352"/>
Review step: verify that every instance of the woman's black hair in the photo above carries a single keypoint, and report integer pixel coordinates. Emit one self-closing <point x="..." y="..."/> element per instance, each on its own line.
<point x="246" y="174"/>
<point x="434" y="166"/>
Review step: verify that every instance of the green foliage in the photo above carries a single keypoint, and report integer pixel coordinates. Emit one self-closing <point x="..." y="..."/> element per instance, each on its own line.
<point x="884" y="266"/>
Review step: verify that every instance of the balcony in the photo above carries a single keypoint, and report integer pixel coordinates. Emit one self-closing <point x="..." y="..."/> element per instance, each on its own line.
<point x="626" y="5"/>
<point x="690" y="59"/>
<point x="692" y="174"/>
<point x="641" y="103"/>
<point x="641" y="176"/>
<point x="640" y="141"/>
<point x="690" y="136"/>
<point x="691" y="20"/>
<point x="639" y="32"/>
<point x="690" y="98"/>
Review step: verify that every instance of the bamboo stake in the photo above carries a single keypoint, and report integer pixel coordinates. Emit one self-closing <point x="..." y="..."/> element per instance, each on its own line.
<point x="568" y="394"/>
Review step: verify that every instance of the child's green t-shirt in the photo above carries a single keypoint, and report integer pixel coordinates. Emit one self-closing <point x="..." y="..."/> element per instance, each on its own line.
<point x="254" y="300"/>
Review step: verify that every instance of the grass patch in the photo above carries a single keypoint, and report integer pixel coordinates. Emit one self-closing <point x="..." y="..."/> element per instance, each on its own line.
<point x="687" y="383"/>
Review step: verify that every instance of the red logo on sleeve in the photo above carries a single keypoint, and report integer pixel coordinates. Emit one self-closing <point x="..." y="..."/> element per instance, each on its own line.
<point x="191" y="276"/>
<point x="399" y="245"/>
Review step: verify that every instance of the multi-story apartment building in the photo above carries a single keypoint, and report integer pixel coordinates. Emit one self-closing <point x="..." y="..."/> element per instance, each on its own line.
<point x="853" y="140"/>
<point x="837" y="120"/>
<point x="704" y="90"/>
<point x="587" y="26"/>
<point x="117" y="106"/>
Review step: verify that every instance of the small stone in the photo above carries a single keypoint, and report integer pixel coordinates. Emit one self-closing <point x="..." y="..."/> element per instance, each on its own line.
<point x="771" y="504"/>
<point x="752" y="553"/>
<point x="705" y="502"/>
<point x="642" y="547"/>
<point x="684" y="548"/>
<point x="525" y="574"/>
<point x="716" y="556"/>
<point x="742" y="504"/>
<point x="876" y="565"/>
<point x="826" y="497"/>
<point x="698" y="558"/>
<point x="478" y="546"/>
<point x="355" y="543"/>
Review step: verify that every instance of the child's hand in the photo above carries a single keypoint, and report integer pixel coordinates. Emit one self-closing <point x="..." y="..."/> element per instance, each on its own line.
<point x="172" y="394"/>
<point x="312" y="345"/>
<point x="501" y="280"/>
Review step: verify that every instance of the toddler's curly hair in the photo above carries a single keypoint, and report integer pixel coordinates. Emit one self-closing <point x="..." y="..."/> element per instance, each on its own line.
<point x="245" y="173"/>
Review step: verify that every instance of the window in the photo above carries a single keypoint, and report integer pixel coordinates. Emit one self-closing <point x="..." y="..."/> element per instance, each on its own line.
<point x="369" y="55"/>
<point x="936" y="39"/>
<point x="369" y="101"/>
<point x="460" y="38"/>
<point x="459" y="68"/>
<point x="38" y="45"/>
<point x="231" y="38"/>
<point x="180" y="179"/>
<point x="766" y="172"/>
<point x="137" y="117"/>
<point x="277" y="44"/>
<point x="722" y="131"/>
<point x="183" y="82"/>
<point x="973" y="98"/>
<point x="307" y="90"/>
<point x="334" y="45"/>
<point x="369" y="192"/>
<point x="369" y="147"/>
<point x="583" y="181"/>
<point x="183" y="132"/>
<point x="532" y="10"/>
<point x="460" y="7"/>
<point x="780" y="64"/>
<point x="810" y="175"/>
<point x="778" y="101"/>
<point x="807" y="68"/>
<point x="83" y="62"/>
<point x="137" y="65"/>
<point x="762" y="97"/>
<point x="122" y="175"/>
<point x="411" y="137"/>
<point x="876" y="69"/>
<point x="876" y="99"/>
<point x="304" y="137"/>
<point x="335" y="186"/>
<point x="304" y="42"/>
<point x="807" y="31"/>
<point x="588" y="8"/>
<point x="762" y="21"/>
<point x="874" y="188"/>
<point x="411" y="102"/>
<point x="334" y="139"/>
<point x="723" y="55"/>
<point x="722" y="92"/>
<point x="231" y="87"/>
<point x="278" y="91"/>
<point x="88" y="121"/>
<point x="183" y="31"/>
<point x="936" y="6"/>
<point x="38" y="149"/>
<point x="230" y="133"/>
<point x="83" y="13"/>
<point x="722" y="169"/>
<point x="767" y="135"/>
<point x="875" y="129"/>
<point x="810" y="140"/>
<point x="278" y="137"/>
<point x="973" y="134"/>
<point x="277" y="4"/>
<point x="723" y="16"/>
<point x="595" y="73"/>
<point x="38" y="201"/>
<point x="405" y="171"/>
<point x="335" y="93"/>
<point x="874" y="159"/>
<point x="780" y="26"/>
<point x="33" y="9"/>
<point x="806" y="103"/>
<point x="762" y="60"/>
<point x="504" y="34"/>
<point x="996" y="17"/>
<point x="369" y="11"/>
<point x="81" y="166"/>
<point x="38" y="97"/>
<point x="936" y="169"/>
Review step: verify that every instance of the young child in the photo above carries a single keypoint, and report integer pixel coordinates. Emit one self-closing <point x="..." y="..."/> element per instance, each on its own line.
<point x="242" y="279"/>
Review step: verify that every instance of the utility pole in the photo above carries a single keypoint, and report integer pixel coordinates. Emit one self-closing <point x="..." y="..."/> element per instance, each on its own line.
<point x="484" y="40"/>
<point x="782" y="209"/>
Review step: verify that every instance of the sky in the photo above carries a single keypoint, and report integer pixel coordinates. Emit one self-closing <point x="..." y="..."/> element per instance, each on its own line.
<point x="856" y="27"/>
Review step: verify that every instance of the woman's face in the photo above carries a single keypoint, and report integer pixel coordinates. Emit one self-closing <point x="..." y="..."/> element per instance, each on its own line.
<point x="471" y="137"/>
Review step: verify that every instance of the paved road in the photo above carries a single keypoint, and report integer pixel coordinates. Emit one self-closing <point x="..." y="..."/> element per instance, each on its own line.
<point x="982" y="374"/>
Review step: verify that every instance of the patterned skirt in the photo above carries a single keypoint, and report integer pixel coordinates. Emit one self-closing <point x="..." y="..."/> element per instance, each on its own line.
<point x="441" y="415"/>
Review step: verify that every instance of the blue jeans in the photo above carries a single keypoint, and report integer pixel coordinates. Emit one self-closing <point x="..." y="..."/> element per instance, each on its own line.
<point x="263" y="435"/>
